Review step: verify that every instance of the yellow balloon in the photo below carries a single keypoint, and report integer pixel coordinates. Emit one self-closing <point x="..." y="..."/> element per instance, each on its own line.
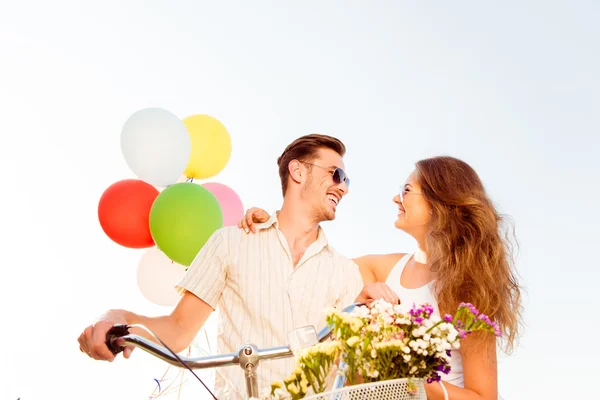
<point x="211" y="146"/>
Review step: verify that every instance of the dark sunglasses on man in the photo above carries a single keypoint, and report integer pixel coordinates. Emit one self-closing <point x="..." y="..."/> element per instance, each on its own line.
<point x="338" y="174"/>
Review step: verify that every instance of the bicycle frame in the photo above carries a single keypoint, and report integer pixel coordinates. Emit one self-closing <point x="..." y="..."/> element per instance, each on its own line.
<point x="248" y="356"/>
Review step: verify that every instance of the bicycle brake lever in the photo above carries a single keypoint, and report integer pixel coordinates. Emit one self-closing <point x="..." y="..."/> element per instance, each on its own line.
<point x="113" y="334"/>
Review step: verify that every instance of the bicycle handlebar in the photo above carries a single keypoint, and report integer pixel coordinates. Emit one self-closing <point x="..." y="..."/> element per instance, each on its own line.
<point x="117" y="343"/>
<point x="247" y="357"/>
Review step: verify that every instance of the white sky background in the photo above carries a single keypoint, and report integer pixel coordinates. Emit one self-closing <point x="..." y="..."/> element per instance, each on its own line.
<point x="511" y="88"/>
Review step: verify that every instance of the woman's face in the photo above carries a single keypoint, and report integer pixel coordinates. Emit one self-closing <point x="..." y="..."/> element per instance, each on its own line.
<point x="414" y="211"/>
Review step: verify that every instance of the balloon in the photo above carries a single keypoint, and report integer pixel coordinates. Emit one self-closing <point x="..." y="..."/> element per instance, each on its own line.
<point x="182" y="218"/>
<point x="211" y="146"/>
<point x="157" y="277"/>
<point x="124" y="210"/>
<point x="156" y="146"/>
<point x="231" y="204"/>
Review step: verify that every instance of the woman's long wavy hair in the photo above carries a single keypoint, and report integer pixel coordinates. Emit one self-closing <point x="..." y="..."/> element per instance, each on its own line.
<point x="469" y="246"/>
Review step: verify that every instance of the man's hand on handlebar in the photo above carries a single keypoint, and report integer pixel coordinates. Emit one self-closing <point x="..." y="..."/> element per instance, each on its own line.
<point x="92" y="340"/>
<point x="177" y="330"/>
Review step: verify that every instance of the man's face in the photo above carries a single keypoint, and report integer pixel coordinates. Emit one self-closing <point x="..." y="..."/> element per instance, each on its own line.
<point x="320" y="188"/>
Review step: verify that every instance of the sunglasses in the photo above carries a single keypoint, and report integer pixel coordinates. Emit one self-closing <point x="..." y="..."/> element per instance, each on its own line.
<point x="338" y="174"/>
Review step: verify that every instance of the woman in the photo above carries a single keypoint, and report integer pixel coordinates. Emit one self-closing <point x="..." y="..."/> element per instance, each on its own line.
<point x="462" y="256"/>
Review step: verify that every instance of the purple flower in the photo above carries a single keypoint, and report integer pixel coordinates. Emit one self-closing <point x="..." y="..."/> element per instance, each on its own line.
<point x="462" y="333"/>
<point x="470" y="306"/>
<point x="497" y="330"/>
<point x="448" y="353"/>
<point x="448" y="318"/>
<point x="434" y="378"/>
<point x="414" y="311"/>
<point x="491" y="324"/>
<point x="443" y="368"/>
<point x="428" y="309"/>
<point x="418" y="320"/>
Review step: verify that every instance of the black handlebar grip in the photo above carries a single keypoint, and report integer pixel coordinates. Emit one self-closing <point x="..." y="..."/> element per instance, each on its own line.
<point x="113" y="334"/>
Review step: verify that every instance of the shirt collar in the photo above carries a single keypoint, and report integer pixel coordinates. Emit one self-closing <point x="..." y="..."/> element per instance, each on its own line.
<point x="273" y="222"/>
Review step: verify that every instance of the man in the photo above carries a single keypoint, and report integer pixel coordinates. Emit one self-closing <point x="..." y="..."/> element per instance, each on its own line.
<point x="266" y="284"/>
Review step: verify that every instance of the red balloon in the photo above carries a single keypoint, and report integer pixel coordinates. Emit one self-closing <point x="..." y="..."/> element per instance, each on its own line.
<point x="124" y="212"/>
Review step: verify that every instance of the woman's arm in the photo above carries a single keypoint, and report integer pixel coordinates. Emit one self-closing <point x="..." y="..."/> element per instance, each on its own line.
<point x="479" y="370"/>
<point x="374" y="270"/>
<point x="365" y="264"/>
<point x="376" y="267"/>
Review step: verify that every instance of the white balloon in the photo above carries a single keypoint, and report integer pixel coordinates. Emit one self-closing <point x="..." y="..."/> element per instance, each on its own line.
<point x="156" y="146"/>
<point x="157" y="276"/>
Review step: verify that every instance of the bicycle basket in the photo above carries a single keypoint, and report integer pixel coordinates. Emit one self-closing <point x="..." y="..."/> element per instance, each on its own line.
<point x="395" y="389"/>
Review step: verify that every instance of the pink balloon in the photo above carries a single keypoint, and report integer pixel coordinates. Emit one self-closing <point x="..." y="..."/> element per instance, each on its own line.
<point x="231" y="204"/>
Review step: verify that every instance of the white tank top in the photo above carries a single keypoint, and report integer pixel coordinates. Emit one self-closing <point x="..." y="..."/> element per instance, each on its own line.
<point x="418" y="296"/>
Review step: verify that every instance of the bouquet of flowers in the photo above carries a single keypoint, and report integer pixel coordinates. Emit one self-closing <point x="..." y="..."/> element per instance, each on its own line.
<point x="381" y="342"/>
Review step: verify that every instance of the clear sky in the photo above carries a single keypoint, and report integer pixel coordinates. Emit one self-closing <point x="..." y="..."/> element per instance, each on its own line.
<point x="512" y="88"/>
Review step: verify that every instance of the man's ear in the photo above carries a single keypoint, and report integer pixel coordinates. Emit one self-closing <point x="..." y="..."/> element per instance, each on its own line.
<point x="297" y="172"/>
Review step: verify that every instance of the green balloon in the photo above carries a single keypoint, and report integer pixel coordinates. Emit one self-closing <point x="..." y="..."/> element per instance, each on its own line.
<point x="182" y="219"/>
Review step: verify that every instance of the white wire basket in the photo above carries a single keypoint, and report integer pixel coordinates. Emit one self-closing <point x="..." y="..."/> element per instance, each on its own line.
<point x="395" y="389"/>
